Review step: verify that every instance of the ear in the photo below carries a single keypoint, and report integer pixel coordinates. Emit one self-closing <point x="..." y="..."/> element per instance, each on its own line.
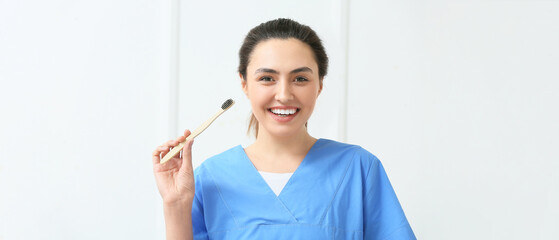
<point x="320" y="86"/>
<point x="244" y="84"/>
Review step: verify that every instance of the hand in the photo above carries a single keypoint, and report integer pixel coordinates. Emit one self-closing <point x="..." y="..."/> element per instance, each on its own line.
<point x="175" y="178"/>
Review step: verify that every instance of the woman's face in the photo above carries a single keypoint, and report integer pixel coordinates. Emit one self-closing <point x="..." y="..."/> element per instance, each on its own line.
<point x="282" y="84"/>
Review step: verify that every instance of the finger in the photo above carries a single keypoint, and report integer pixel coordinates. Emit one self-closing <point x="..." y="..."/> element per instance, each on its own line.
<point x="155" y="156"/>
<point x="160" y="149"/>
<point x="171" y="143"/>
<point x="180" y="139"/>
<point x="166" y="148"/>
<point x="157" y="153"/>
<point x="183" y="137"/>
<point x="166" y="166"/>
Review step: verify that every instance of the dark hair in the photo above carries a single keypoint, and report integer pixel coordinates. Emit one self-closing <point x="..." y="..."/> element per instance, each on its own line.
<point x="281" y="28"/>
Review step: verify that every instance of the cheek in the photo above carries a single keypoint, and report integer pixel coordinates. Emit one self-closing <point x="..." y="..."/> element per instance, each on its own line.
<point x="257" y="95"/>
<point x="309" y="96"/>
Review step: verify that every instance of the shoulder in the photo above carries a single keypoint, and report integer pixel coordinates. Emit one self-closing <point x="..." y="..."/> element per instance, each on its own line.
<point x="344" y="150"/>
<point x="345" y="155"/>
<point x="217" y="170"/>
<point x="224" y="160"/>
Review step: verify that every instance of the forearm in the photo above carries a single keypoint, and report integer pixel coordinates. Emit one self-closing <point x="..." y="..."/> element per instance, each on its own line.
<point x="178" y="221"/>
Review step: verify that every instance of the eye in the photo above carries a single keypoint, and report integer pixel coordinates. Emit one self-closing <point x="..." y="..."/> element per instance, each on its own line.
<point x="301" y="79"/>
<point x="266" y="79"/>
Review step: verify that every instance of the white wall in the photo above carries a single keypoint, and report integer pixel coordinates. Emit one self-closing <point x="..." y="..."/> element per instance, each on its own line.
<point x="456" y="99"/>
<point x="79" y="99"/>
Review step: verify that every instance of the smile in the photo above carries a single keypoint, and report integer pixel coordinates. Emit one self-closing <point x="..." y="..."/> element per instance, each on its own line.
<point x="283" y="112"/>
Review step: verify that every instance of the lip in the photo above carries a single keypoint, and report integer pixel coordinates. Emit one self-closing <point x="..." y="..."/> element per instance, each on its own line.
<point x="283" y="107"/>
<point x="283" y="119"/>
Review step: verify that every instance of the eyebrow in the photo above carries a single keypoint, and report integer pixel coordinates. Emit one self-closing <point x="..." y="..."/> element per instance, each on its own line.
<point x="269" y="70"/>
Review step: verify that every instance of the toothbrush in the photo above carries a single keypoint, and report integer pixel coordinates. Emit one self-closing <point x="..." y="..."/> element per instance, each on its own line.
<point x="226" y="105"/>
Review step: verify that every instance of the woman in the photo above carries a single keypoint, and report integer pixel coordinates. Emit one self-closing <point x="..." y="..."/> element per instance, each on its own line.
<point x="287" y="184"/>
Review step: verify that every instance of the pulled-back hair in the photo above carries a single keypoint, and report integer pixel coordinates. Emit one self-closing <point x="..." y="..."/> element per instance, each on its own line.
<point x="281" y="28"/>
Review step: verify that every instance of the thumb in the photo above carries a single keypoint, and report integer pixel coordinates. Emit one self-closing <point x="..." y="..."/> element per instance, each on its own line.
<point x="186" y="165"/>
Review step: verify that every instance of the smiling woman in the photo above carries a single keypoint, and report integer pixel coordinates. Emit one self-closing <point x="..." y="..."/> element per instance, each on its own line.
<point x="290" y="31"/>
<point x="287" y="184"/>
<point x="275" y="86"/>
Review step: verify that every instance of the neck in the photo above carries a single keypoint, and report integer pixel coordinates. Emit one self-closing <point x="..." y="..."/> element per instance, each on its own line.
<point x="270" y="153"/>
<point x="299" y="143"/>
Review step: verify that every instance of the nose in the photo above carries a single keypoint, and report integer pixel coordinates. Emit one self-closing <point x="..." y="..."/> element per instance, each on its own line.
<point x="283" y="91"/>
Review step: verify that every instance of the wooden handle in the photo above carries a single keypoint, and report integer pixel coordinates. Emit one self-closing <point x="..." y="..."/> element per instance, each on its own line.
<point x="192" y="135"/>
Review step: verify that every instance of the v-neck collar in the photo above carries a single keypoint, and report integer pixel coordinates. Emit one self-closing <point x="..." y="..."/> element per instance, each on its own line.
<point x="305" y="199"/>
<point x="263" y="181"/>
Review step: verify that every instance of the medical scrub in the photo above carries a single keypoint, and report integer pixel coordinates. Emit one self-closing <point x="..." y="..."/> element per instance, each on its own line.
<point x="339" y="191"/>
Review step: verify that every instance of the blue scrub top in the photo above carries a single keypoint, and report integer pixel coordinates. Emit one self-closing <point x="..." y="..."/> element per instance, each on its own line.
<point x="339" y="191"/>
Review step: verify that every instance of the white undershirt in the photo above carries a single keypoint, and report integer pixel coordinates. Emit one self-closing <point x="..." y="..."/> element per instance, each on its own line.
<point x="276" y="181"/>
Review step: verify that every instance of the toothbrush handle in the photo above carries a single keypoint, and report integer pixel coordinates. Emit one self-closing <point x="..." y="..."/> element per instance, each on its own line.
<point x="192" y="135"/>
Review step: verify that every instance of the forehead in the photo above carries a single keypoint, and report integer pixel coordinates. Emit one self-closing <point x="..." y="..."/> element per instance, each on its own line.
<point x="282" y="55"/>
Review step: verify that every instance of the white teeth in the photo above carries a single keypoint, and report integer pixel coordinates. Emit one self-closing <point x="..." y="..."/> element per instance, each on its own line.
<point x="283" y="111"/>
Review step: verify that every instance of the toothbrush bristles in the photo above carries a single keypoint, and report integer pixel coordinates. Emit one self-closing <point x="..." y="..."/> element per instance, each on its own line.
<point x="227" y="104"/>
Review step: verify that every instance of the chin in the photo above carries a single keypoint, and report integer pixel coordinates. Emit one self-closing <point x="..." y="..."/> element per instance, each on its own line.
<point x="283" y="131"/>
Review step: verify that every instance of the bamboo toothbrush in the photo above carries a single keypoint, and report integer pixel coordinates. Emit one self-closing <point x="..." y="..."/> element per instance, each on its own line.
<point x="226" y="105"/>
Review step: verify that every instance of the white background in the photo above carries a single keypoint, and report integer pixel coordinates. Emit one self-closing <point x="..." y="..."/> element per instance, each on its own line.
<point x="457" y="98"/>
